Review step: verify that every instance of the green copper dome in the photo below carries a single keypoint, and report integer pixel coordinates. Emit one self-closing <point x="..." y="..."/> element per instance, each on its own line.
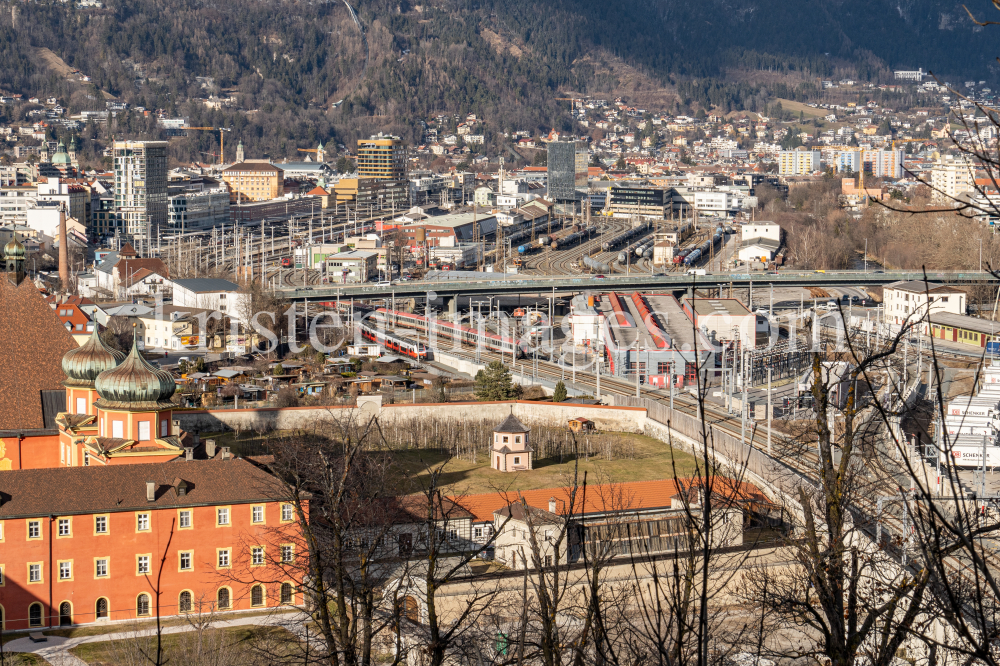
<point x="135" y="384"/>
<point x="61" y="156"/>
<point x="83" y="364"/>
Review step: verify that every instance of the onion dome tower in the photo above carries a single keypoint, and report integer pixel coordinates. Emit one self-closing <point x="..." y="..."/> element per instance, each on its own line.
<point x="82" y="366"/>
<point x="135" y="384"/>
<point x="134" y="400"/>
<point x="13" y="263"/>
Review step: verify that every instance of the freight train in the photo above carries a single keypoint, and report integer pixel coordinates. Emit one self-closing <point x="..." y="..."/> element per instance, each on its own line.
<point x="625" y="237"/>
<point x="690" y="257"/>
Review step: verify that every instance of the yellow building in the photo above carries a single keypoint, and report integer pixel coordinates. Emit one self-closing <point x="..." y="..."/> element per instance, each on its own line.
<point x="382" y="157"/>
<point x="254" y="180"/>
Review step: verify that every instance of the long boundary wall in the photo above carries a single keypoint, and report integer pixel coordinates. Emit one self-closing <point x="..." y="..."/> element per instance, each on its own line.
<point x="621" y="419"/>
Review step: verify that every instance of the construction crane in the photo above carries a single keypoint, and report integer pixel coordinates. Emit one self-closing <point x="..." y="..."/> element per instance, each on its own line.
<point x="222" y="142"/>
<point x="572" y="101"/>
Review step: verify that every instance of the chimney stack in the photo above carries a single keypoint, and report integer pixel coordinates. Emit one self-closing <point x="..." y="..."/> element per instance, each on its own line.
<point x="210" y="448"/>
<point x="63" y="254"/>
<point x="553" y="507"/>
<point x="225" y="453"/>
<point x="150" y="491"/>
<point x="188" y="453"/>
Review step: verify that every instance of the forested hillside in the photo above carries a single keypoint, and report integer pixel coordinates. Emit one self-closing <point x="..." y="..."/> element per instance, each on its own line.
<point x="287" y="63"/>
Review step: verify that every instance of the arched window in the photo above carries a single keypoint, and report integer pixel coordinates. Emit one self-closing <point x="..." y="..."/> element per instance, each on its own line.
<point x="410" y="609"/>
<point x="257" y="595"/>
<point x="102" y="608"/>
<point x="286" y="593"/>
<point x="142" y="604"/>
<point x="65" y="614"/>
<point x="223" y="598"/>
<point x="184" y="602"/>
<point x="35" y="615"/>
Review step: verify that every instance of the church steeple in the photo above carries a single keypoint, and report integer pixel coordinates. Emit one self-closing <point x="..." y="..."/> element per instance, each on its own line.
<point x="239" y="152"/>
<point x="14" y="261"/>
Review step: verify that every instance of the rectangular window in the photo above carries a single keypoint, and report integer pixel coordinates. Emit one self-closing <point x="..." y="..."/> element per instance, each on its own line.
<point x="118" y="429"/>
<point x="287" y="512"/>
<point x="287" y="553"/>
<point x="478" y="532"/>
<point x="186" y="558"/>
<point x="142" y="522"/>
<point x="257" y="514"/>
<point x="184" y="519"/>
<point x="142" y="564"/>
<point x="164" y="428"/>
<point x="222" y="516"/>
<point x="64" y="527"/>
<point x="1" y="576"/>
<point x="100" y="524"/>
<point x="35" y="573"/>
<point x="223" y="557"/>
<point x="257" y="556"/>
<point x="101" y="567"/>
<point x="34" y="529"/>
<point x="144" y="431"/>
<point x="65" y="570"/>
<point x="517" y="460"/>
<point x="81" y="405"/>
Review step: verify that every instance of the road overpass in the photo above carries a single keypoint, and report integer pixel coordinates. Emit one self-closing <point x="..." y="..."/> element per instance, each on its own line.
<point x="519" y="284"/>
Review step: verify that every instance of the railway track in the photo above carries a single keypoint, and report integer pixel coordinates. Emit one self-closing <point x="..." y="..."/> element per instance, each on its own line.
<point x="559" y="262"/>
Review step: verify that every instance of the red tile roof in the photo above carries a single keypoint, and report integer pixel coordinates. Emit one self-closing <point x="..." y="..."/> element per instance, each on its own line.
<point x="605" y="497"/>
<point x="123" y="487"/>
<point x="32" y="343"/>
<point x="72" y="317"/>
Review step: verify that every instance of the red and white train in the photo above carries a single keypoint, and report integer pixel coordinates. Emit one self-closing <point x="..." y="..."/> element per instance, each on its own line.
<point x="414" y="350"/>
<point x="446" y="329"/>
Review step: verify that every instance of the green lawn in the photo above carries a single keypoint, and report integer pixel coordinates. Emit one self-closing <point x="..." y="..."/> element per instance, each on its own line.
<point x="652" y="460"/>
<point x="177" y="647"/>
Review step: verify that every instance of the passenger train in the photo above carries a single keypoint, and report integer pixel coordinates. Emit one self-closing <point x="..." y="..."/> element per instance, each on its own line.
<point x="414" y="350"/>
<point x="467" y="334"/>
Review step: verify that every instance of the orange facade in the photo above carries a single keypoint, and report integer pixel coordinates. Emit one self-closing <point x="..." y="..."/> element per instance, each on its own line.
<point x="108" y="566"/>
<point x="29" y="451"/>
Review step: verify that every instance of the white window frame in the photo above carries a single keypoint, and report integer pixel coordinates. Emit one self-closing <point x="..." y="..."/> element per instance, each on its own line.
<point x="144" y="435"/>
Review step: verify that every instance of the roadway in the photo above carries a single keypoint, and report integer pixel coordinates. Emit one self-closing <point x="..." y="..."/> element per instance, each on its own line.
<point x="517" y="284"/>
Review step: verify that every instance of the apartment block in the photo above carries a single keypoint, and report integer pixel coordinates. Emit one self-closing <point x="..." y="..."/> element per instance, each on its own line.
<point x="798" y="162"/>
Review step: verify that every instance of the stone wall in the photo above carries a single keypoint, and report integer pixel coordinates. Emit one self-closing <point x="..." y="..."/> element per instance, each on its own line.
<point x="619" y="419"/>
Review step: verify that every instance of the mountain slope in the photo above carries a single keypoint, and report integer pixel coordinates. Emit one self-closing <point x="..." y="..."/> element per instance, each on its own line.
<point x="289" y="62"/>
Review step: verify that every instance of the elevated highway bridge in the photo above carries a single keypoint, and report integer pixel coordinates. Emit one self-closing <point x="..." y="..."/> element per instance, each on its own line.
<point x="512" y="284"/>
